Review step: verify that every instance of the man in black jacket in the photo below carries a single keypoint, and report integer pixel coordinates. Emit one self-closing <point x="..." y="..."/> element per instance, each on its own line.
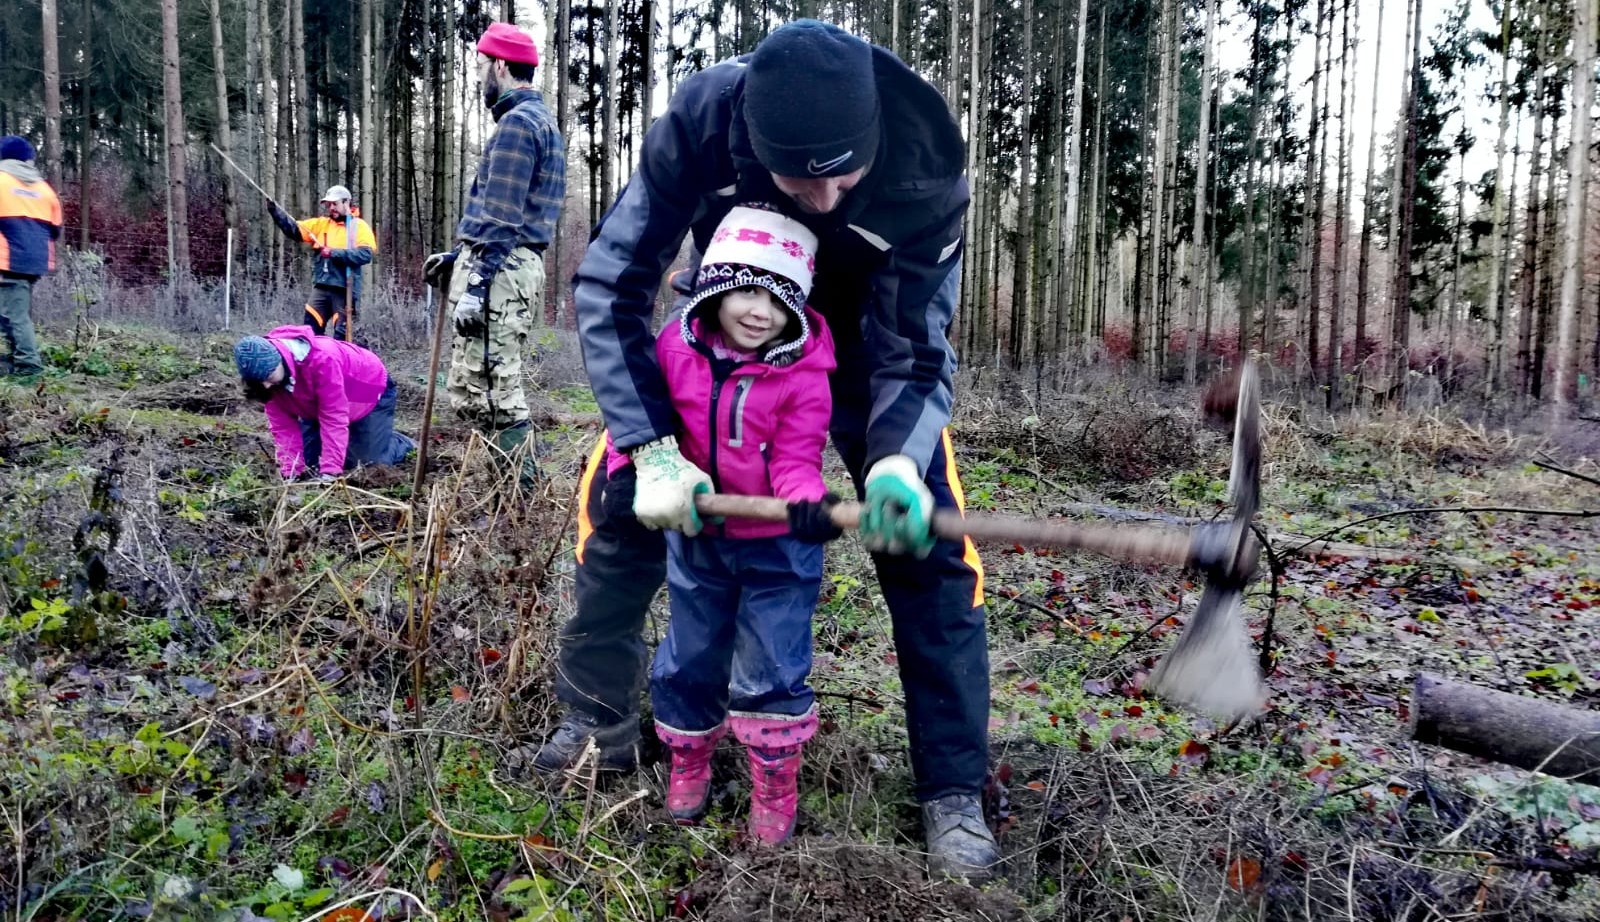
<point x="852" y="143"/>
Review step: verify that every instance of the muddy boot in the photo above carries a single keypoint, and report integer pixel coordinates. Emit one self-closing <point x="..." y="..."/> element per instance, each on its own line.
<point x="959" y="841"/>
<point x="514" y="442"/>
<point x="618" y="744"/>
<point x="773" y="742"/>
<point x="689" y="786"/>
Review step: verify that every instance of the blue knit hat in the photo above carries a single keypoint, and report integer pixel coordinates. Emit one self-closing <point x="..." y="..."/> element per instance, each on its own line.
<point x="13" y="147"/>
<point x="811" y="101"/>
<point x="256" y="358"/>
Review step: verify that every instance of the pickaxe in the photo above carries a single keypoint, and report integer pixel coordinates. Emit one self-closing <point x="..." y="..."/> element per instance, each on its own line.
<point x="1210" y="668"/>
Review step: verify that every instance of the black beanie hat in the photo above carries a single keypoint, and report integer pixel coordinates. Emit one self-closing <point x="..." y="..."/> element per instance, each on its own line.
<point x="811" y="101"/>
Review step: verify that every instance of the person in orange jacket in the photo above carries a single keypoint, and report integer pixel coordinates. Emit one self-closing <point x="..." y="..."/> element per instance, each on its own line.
<point x="344" y="243"/>
<point x="30" y="222"/>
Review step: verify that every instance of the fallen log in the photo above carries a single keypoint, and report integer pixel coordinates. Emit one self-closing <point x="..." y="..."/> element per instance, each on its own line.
<point x="1517" y="730"/>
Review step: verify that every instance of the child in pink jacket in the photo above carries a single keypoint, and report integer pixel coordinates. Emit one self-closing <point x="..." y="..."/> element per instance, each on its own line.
<point x="747" y="366"/>
<point x="330" y="403"/>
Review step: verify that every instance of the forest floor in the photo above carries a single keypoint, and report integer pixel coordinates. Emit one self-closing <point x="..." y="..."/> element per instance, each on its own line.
<point x="228" y="699"/>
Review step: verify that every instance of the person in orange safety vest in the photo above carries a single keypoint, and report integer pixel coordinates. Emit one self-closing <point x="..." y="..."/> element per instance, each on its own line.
<point x="344" y="243"/>
<point x="30" y="222"/>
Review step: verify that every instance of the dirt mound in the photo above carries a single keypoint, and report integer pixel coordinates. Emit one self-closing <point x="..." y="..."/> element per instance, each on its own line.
<point x="849" y="883"/>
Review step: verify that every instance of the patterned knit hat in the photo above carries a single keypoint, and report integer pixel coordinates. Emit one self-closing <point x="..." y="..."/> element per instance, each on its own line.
<point x="756" y="246"/>
<point x="256" y="358"/>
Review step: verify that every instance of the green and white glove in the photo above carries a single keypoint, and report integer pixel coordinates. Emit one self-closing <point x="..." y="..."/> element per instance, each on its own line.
<point x="898" y="511"/>
<point x="668" y="484"/>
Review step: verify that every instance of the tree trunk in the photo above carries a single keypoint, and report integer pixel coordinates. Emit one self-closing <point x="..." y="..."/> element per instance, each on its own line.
<point x="1547" y="247"/>
<point x="230" y="195"/>
<point x="1022" y="262"/>
<point x="1500" y="248"/>
<point x="1526" y="732"/>
<point x="51" y="55"/>
<point x="563" y="34"/>
<point x="177" y="149"/>
<point x="972" y="264"/>
<point x="610" y="142"/>
<point x="1340" y="211"/>
<point x="86" y="138"/>
<point x="1453" y="303"/>
<point x="1402" y="284"/>
<point x="1198" y="247"/>
<point x="1583" y="40"/>
<point x="304" y="111"/>
<point x="1249" y="286"/>
<point x="1528" y="282"/>
<point x="1067" y="303"/>
<point x="1048" y="230"/>
<point x="647" y="81"/>
<point x="1316" y="189"/>
<point x="1168" y="260"/>
<point x="1093" y="285"/>
<point x="366" y="190"/>
<point x="1364" y="260"/>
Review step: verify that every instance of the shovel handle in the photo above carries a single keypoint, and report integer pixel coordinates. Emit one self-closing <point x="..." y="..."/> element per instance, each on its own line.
<point x="1133" y="544"/>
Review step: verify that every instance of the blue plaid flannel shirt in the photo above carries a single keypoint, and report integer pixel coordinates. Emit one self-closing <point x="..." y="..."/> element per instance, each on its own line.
<point x="522" y="179"/>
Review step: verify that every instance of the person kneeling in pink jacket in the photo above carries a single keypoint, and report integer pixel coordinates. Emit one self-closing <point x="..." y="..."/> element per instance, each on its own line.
<point x="330" y="403"/>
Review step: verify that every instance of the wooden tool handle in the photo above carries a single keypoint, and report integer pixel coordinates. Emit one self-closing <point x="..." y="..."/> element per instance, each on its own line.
<point x="1134" y="544"/>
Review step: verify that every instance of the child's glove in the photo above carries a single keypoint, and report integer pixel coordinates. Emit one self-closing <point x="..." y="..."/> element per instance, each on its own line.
<point x="811" y="520"/>
<point x="667" y="486"/>
<point x="616" y="500"/>
<point x="898" y="510"/>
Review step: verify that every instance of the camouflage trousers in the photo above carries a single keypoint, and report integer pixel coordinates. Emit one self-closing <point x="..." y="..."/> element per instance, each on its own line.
<point x="485" y="381"/>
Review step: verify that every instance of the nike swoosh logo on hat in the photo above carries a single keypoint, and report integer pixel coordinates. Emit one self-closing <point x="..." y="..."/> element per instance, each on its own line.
<point x="817" y="169"/>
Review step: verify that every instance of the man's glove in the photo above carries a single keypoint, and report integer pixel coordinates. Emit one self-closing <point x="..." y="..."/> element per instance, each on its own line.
<point x="616" y="500"/>
<point x="811" y="520"/>
<point x="469" y="311"/>
<point x="436" y="269"/>
<point x="666" y="488"/>
<point x="898" y="510"/>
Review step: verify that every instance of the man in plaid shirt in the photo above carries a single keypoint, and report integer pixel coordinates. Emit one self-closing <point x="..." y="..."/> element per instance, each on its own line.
<point x="509" y="219"/>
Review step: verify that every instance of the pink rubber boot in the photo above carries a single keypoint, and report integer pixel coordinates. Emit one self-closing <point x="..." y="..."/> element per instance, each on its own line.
<point x="689" y="786"/>
<point x="774" y="742"/>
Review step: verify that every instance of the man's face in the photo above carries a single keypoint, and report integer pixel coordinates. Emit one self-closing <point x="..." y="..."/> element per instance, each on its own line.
<point x="818" y="196"/>
<point x="337" y="208"/>
<point x="490" y="77"/>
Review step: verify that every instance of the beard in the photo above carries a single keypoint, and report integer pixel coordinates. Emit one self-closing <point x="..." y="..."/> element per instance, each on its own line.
<point x="491" y="88"/>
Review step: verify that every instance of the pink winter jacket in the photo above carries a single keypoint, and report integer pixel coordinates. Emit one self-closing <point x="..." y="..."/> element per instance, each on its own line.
<point x="336" y="384"/>
<point x="761" y="431"/>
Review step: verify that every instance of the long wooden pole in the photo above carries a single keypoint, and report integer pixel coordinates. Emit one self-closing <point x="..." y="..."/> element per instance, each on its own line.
<point x="427" y="401"/>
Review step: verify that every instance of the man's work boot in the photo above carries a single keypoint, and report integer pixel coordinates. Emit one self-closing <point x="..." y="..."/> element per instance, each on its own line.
<point x="689" y="785"/>
<point x="618" y="744"/>
<point x="513" y="441"/>
<point x="959" y="841"/>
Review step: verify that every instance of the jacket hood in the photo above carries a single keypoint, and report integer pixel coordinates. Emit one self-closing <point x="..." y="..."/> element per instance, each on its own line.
<point x="21" y="169"/>
<point x="810" y="348"/>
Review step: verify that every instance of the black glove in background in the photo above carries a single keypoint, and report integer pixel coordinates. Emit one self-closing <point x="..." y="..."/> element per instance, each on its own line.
<point x="809" y="520"/>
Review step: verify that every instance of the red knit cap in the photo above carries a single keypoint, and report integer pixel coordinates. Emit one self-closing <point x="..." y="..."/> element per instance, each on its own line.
<point x="504" y="41"/>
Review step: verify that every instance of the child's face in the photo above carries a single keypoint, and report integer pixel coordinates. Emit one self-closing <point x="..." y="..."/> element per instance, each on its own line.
<point x="751" y="317"/>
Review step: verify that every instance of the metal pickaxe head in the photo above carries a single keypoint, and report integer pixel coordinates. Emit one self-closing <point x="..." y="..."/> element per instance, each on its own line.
<point x="1211" y="668"/>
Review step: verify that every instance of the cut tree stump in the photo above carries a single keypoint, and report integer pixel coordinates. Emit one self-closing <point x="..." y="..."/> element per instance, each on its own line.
<point x="1525" y="732"/>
